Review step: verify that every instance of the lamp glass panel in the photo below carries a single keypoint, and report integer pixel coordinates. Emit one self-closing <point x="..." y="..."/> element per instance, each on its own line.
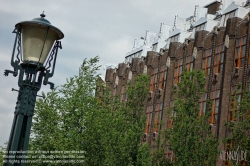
<point x="33" y="38"/>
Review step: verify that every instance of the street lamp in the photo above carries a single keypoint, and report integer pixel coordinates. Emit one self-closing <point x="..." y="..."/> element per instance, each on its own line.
<point x="33" y="42"/>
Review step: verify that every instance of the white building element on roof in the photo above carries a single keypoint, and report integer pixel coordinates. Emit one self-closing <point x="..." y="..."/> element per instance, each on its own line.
<point x="141" y="48"/>
<point x="205" y="21"/>
<point x="226" y="3"/>
<point x="235" y="9"/>
<point x="186" y="27"/>
<point x="160" y="41"/>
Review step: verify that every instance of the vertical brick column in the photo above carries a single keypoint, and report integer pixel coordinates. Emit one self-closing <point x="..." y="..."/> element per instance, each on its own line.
<point x="168" y="91"/>
<point x="156" y="62"/>
<point x="246" y="57"/>
<point x="225" y="98"/>
<point x="198" y="43"/>
<point x="214" y="43"/>
<point x="228" y="68"/>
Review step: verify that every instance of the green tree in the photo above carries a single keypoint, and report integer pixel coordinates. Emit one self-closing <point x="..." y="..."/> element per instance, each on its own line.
<point x="74" y="117"/>
<point x="190" y="138"/>
<point x="238" y="140"/>
<point x="2" y="152"/>
<point x="119" y="127"/>
<point x="59" y="118"/>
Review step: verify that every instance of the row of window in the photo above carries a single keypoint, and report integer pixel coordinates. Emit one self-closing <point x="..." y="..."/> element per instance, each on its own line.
<point x="239" y="57"/>
<point x="218" y="60"/>
<point x="135" y="55"/>
<point x="175" y="38"/>
<point x="162" y="78"/>
<point x="214" y="96"/>
<point x="157" y="117"/>
<point x="206" y="65"/>
<point x="179" y="67"/>
<point x="227" y="16"/>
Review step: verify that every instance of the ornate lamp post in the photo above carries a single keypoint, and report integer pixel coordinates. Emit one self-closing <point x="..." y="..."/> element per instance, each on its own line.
<point x="34" y="40"/>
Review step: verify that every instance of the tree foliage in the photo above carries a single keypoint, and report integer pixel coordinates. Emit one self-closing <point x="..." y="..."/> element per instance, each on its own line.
<point x="238" y="140"/>
<point x="190" y="138"/>
<point x="74" y="117"/>
<point x="2" y="152"/>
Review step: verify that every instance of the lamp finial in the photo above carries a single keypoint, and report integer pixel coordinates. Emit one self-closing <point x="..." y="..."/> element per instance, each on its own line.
<point x="42" y="15"/>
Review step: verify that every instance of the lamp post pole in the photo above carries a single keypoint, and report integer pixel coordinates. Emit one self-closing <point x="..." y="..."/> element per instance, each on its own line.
<point x="38" y="37"/>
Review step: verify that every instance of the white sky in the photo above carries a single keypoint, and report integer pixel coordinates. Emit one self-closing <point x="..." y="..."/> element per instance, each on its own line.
<point x="91" y="27"/>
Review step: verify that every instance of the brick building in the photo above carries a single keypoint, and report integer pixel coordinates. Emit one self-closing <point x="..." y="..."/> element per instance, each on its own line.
<point x="215" y="39"/>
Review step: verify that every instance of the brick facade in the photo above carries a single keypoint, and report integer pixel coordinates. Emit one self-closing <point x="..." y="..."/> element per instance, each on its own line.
<point x="221" y="77"/>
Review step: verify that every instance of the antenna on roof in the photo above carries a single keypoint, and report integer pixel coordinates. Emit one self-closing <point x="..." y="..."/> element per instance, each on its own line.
<point x="194" y="19"/>
<point x="159" y="35"/>
<point x="134" y="46"/>
<point x="146" y="37"/>
<point x="175" y="22"/>
<point x="195" y="13"/>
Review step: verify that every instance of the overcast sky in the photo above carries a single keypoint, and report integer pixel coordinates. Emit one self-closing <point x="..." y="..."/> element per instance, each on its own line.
<point x="91" y="27"/>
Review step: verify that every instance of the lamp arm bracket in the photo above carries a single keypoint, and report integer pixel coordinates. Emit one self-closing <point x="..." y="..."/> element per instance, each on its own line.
<point x="6" y="73"/>
<point x="16" y="66"/>
<point x="48" y="75"/>
<point x="52" y="85"/>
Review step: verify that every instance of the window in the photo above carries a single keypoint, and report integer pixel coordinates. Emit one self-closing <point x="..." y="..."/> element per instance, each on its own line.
<point x="215" y="95"/>
<point x="178" y="70"/>
<point x="189" y="62"/>
<point x="114" y="88"/>
<point x="158" y="116"/>
<point x="126" y="97"/>
<point x="240" y="52"/>
<point x="206" y="61"/>
<point x="149" y="118"/>
<point x="200" y="27"/>
<point x="234" y="102"/>
<point x="122" y="93"/>
<point x="154" y="47"/>
<point x="219" y="58"/>
<point x="227" y="16"/>
<point x="114" y="91"/>
<point x="126" y="60"/>
<point x="175" y="38"/>
<point x="139" y="54"/>
<point x="203" y="104"/>
<point x="169" y="154"/>
<point x="248" y="87"/>
<point x="163" y="77"/>
<point x="153" y="79"/>
<point x="172" y="115"/>
<point x="129" y="58"/>
<point x="136" y="55"/>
